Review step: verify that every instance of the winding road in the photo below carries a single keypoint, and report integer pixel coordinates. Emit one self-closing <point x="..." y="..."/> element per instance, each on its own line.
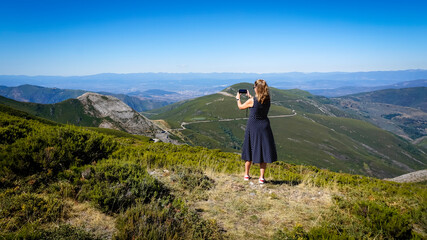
<point x="183" y="124"/>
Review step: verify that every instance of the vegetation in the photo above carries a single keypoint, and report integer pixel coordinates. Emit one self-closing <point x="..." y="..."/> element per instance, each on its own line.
<point x="152" y="190"/>
<point x="319" y="134"/>
<point x="401" y="111"/>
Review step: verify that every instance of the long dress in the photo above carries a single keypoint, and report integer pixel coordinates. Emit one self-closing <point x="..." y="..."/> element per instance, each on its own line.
<point x="259" y="145"/>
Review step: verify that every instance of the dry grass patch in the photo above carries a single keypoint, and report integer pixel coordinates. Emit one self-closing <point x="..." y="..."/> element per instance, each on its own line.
<point x="84" y="216"/>
<point x="248" y="210"/>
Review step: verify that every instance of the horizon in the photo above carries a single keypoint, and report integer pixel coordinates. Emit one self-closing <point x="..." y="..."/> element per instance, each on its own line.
<point x="80" y="38"/>
<point x="259" y="73"/>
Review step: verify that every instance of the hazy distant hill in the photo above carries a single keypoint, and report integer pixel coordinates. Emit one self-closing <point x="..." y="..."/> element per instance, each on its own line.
<point x="348" y="90"/>
<point x="37" y="94"/>
<point x="92" y="110"/>
<point x="313" y="134"/>
<point x="207" y="83"/>
<point x="401" y="111"/>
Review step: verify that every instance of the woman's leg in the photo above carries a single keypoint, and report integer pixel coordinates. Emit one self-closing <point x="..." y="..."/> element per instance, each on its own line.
<point x="247" y="167"/>
<point x="262" y="167"/>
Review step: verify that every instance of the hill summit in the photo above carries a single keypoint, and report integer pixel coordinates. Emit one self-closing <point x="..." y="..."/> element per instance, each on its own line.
<point x="116" y="114"/>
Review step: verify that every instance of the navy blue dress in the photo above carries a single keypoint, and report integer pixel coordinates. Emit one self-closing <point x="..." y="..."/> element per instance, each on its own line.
<point x="259" y="145"/>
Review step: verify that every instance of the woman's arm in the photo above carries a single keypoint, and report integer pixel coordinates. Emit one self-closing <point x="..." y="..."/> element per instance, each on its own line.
<point x="249" y="103"/>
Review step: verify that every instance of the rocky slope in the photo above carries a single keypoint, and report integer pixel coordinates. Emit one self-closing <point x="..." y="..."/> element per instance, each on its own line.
<point x="418" y="176"/>
<point x="117" y="115"/>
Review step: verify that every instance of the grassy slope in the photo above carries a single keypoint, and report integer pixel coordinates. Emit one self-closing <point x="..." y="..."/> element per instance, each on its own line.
<point x="69" y="111"/>
<point x="312" y="137"/>
<point x="111" y="132"/>
<point x="298" y="202"/>
<point x="401" y="111"/>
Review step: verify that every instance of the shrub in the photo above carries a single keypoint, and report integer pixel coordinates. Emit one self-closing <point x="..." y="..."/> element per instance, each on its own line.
<point x="18" y="210"/>
<point x="114" y="186"/>
<point x="52" y="150"/>
<point x="164" y="219"/>
<point x="383" y="220"/>
<point x="66" y="232"/>
<point x="192" y="179"/>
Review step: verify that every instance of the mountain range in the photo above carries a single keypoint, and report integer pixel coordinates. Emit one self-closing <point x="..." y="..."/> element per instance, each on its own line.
<point x="348" y="90"/>
<point x="93" y="110"/>
<point x="308" y="129"/>
<point x="140" y="101"/>
<point x="198" y="84"/>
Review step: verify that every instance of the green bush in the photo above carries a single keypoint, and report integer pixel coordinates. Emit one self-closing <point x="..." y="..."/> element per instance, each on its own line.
<point x="18" y="210"/>
<point x="52" y="150"/>
<point x="114" y="186"/>
<point x="383" y="220"/>
<point x="192" y="179"/>
<point x="164" y="219"/>
<point x="66" y="232"/>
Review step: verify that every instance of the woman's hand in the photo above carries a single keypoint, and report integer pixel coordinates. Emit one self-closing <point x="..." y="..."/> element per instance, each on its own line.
<point x="238" y="95"/>
<point x="248" y="94"/>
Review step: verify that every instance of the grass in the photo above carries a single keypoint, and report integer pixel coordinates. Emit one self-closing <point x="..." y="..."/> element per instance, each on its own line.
<point x="250" y="210"/>
<point x="146" y="190"/>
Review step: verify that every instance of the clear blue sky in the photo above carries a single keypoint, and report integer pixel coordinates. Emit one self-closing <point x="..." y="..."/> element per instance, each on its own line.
<point x="72" y="37"/>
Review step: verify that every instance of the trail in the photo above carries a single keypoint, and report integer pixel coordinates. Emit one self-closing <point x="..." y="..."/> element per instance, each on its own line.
<point x="183" y="124"/>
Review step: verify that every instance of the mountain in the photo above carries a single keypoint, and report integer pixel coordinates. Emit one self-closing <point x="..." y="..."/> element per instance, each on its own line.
<point x="401" y="111"/>
<point x="349" y="90"/>
<point x="68" y="182"/>
<point x="37" y="94"/>
<point x="92" y="110"/>
<point x="307" y="129"/>
<point x="116" y="114"/>
<point x="207" y="83"/>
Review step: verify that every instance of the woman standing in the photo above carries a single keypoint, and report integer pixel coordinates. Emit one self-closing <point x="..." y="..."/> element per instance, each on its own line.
<point x="258" y="146"/>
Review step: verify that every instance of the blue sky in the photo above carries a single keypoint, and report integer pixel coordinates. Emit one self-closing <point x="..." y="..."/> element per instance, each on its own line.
<point x="72" y="37"/>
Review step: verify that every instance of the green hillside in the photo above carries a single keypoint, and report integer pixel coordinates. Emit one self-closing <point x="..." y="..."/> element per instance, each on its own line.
<point x="67" y="182"/>
<point x="43" y="95"/>
<point x="314" y="136"/>
<point x="401" y="111"/>
<point x="69" y="111"/>
<point x="36" y="94"/>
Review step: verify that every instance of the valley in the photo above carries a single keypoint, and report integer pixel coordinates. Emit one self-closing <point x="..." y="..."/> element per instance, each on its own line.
<point x="327" y="133"/>
<point x="318" y="133"/>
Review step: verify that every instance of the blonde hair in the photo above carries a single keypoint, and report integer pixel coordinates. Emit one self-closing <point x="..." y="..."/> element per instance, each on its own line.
<point x="262" y="91"/>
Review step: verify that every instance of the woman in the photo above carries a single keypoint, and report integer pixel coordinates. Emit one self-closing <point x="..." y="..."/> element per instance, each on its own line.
<point x="258" y="146"/>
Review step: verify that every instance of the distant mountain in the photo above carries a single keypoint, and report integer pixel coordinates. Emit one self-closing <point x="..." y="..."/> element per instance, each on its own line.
<point x="308" y="130"/>
<point x="206" y="83"/>
<point x="37" y="94"/>
<point x="93" y="110"/>
<point x="401" y="111"/>
<point x="348" y="90"/>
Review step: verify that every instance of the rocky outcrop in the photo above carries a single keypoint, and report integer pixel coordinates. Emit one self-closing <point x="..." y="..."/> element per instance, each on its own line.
<point x="117" y="115"/>
<point x="418" y="176"/>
